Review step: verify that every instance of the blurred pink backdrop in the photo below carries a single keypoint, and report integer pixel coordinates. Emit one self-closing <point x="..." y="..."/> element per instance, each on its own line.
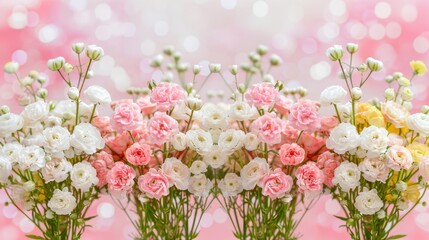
<point x="219" y="31"/>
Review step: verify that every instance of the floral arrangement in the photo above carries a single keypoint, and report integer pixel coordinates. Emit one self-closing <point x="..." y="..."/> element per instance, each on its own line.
<point x="45" y="150"/>
<point x="382" y="147"/>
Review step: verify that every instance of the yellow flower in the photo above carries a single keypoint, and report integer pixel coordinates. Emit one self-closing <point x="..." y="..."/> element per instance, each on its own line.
<point x="369" y="114"/>
<point x="419" y="67"/>
<point x="41" y="197"/>
<point x="418" y="151"/>
<point x="412" y="193"/>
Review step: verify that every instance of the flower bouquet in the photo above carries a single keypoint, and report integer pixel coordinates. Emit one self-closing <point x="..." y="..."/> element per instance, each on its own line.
<point x="382" y="147"/>
<point x="45" y="150"/>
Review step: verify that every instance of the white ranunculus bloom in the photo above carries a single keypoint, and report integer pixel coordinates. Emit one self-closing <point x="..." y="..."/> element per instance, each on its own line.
<point x="83" y="176"/>
<point x="253" y="173"/>
<point x="200" y="140"/>
<point x="200" y="185"/>
<point x="213" y="116"/>
<point x="177" y="173"/>
<point x="31" y="157"/>
<point x="242" y="111"/>
<point x="11" y="151"/>
<point x="182" y="112"/>
<point x="35" y="112"/>
<point x="231" y="140"/>
<point x="343" y="138"/>
<point x="56" y="170"/>
<point x="333" y="95"/>
<point x="368" y="202"/>
<point x="347" y="175"/>
<point x="198" y="167"/>
<point x="66" y="110"/>
<point x="395" y="113"/>
<point x="230" y="185"/>
<point x="98" y="95"/>
<point x="10" y="123"/>
<point x="36" y="138"/>
<point x="86" y="138"/>
<point x="179" y="141"/>
<point x="5" y="169"/>
<point x="419" y="122"/>
<point x="399" y="157"/>
<point x="374" y="169"/>
<point x="56" y="140"/>
<point x="62" y="202"/>
<point x="424" y="169"/>
<point x="375" y="140"/>
<point x="251" y="141"/>
<point x="215" y="157"/>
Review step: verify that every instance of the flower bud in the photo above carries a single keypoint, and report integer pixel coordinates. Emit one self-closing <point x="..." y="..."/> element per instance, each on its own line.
<point x="29" y="186"/>
<point x="275" y="60"/>
<point x="33" y="74"/>
<point x="254" y="57"/>
<point x="68" y="68"/>
<point x="335" y="53"/>
<point x="233" y="70"/>
<point x="215" y="68"/>
<point x="262" y="50"/>
<point x="167" y="77"/>
<point x="26" y="81"/>
<point x="197" y="69"/>
<point x="373" y="64"/>
<point x="73" y="93"/>
<point x="55" y="64"/>
<point x="4" y="109"/>
<point x="352" y="47"/>
<point x="177" y="56"/>
<point x="419" y="68"/>
<point x="94" y="52"/>
<point x="381" y="214"/>
<point x="194" y="103"/>
<point x="242" y="88"/>
<point x="389" y="79"/>
<point x="210" y="94"/>
<point x="11" y="67"/>
<point x="401" y="186"/>
<point x="78" y="47"/>
<point x="49" y="214"/>
<point x="42" y="93"/>
<point x="356" y="93"/>
<point x="145" y="91"/>
<point x="425" y="109"/>
<point x="157" y="61"/>
<point x="389" y="94"/>
<point x="407" y="94"/>
<point x="403" y="81"/>
<point x="362" y="68"/>
<point x="168" y="50"/>
<point x="397" y="75"/>
<point x="41" y="79"/>
<point x="407" y="105"/>
<point x="90" y="74"/>
<point x="182" y="67"/>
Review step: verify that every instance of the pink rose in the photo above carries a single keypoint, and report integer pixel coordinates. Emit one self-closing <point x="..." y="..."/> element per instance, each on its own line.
<point x="262" y="95"/>
<point x="398" y="157"/>
<point x="102" y="124"/>
<point x="268" y="128"/>
<point x="120" y="177"/>
<point x="277" y="184"/>
<point x="304" y="116"/>
<point x="309" y="177"/>
<point x="283" y="105"/>
<point x="138" y="154"/>
<point x="147" y="107"/>
<point x="153" y="184"/>
<point x="127" y="116"/>
<point x="167" y="95"/>
<point x="291" y="154"/>
<point x="102" y="162"/>
<point x="161" y="128"/>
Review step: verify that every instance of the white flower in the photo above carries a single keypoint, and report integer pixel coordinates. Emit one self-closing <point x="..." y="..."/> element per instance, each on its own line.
<point x="5" y="169"/>
<point x="11" y="151"/>
<point x="231" y="140"/>
<point x="98" y="95"/>
<point x="335" y="52"/>
<point x="347" y="175"/>
<point x="395" y="113"/>
<point x="78" y="47"/>
<point x="35" y="113"/>
<point x="343" y="138"/>
<point x="62" y="202"/>
<point x="373" y="169"/>
<point x="373" y="64"/>
<point x="230" y="185"/>
<point x="55" y="64"/>
<point x="29" y="186"/>
<point x="181" y="112"/>
<point x="333" y="95"/>
<point x="352" y="47"/>
<point x="198" y="167"/>
<point x="57" y="139"/>
<point x="66" y="110"/>
<point x="419" y="122"/>
<point x="200" y="185"/>
<point x="31" y="157"/>
<point x="242" y="111"/>
<point x="35" y="139"/>
<point x="216" y="157"/>
<point x="345" y="111"/>
<point x="10" y="123"/>
<point x="177" y="173"/>
<point x="213" y="117"/>
<point x="368" y="202"/>
<point x="424" y="169"/>
<point x="251" y="142"/>
<point x="199" y="140"/>
<point x="398" y="157"/>
<point x="73" y="93"/>
<point x="356" y="93"/>
<point x="83" y="176"/>
<point x="11" y="67"/>
<point x="56" y="170"/>
<point x="179" y="141"/>
<point x="86" y="138"/>
<point x="94" y="52"/>
<point x="374" y="140"/>
<point x="253" y="173"/>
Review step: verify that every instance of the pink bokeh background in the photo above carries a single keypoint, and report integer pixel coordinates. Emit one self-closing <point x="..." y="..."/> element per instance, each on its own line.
<point x="219" y="31"/>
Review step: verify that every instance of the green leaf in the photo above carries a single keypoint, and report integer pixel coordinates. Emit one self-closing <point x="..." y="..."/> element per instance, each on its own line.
<point x="341" y="218"/>
<point x="30" y="236"/>
<point x="397" y="236"/>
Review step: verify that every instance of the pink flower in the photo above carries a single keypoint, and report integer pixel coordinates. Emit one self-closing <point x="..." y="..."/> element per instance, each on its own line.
<point x="312" y="144"/>
<point x="304" y="116"/>
<point x="324" y="157"/>
<point x="161" y="128"/>
<point x="120" y="177"/>
<point x="117" y="144"/>
<point x="141" y="133"/>
<point x="153" y="184"/>
<point x="147" y="107"/>
<point x="328" y="123"/>
<point x="102" y="162"/>
<point x="102" y="124"/>
<point x="309" y="177"/>
<point x="291" y="154"/>
<point x="398" y="157"/>
<point x="329" y="171"/>
<point x="262" y="95"/>
<point x="138" y="154"/>
<point x="283" y="105"/>
<point x="127" y="116"/>
<point x="277" y="184"/>
<point x="167" y="95"/>
<point x="268" y="128"/>
<point x="290" y="134"/>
